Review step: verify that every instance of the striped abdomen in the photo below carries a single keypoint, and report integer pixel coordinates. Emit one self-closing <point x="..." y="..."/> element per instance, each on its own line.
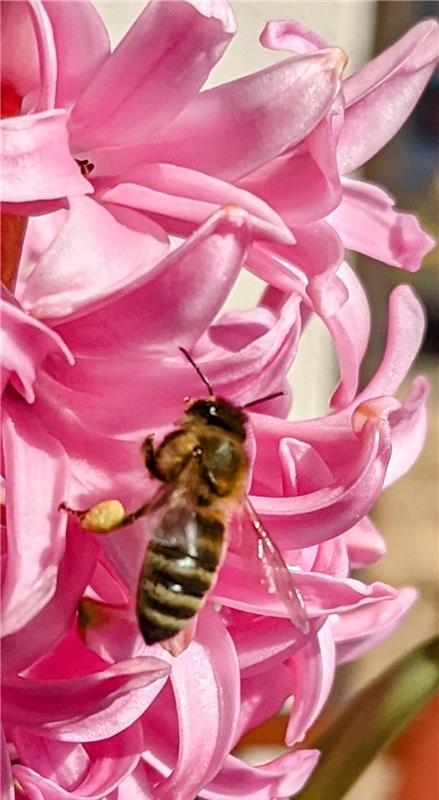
<point x="179" y="568"/>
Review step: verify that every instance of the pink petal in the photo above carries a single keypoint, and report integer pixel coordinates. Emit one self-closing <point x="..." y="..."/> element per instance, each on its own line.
<point x="364" y="543"/>
<point x="36" y="532"/>
<point x="65" y="763"/>
<point x="277" y="272"/>
<point x="291" y="35"/>
<point x="107" y="583"/>
<point x="136" y="786"/>
<point x="322" y="594"/>
<point x="154" y="72"/>
<point x="71" y="659"/>
<point x="160" y="385"/>
<point x="409" y="429"/>
<point x="318" y="252"/>
<point x="319" y="515"/>
<point x="267" y="642"/>
<point x="350" y="329"/>
<point x="36" y="163"/>
<point x="282" y="777"/>
<point x="28" y="54"/>
<point x="180" y="199"/>
<point x="49" y="625"/>
<point x="253" y="363"/>
<point x="6" y="785"/>
<point x="405" y="332"/>
<point x="20" y="62"/>
<point x="382" y="94"/>
<point x="303" y="185"/>
<point x="244" y="374"/>
<point x="307" y="267"/>
<point x="40" y="233"/>
<point x="26" y="343"/>
<point x="169" y="304"/>
<point x="368" y="223"/>
<point x="80" y="56"/>
<point x="330" y="557"/>
<point x="325" y="594"/>
<point x="54" y="704"/>
<point x="118" y="637"/>
<point x="303" y="470"/>
<point x="317" y="661"/>
<point x="64" y="280"/>
<point x="109" y="762"/>
<point x="235" y="330"/>
<point x="232" y="129"/>
<point x="206" y="738"/>
<point x="258" y="705"/>
<point x="361" y="630"/>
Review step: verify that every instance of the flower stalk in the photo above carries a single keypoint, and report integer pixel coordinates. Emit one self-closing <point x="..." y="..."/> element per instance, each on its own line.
<point x="371" y="720"/>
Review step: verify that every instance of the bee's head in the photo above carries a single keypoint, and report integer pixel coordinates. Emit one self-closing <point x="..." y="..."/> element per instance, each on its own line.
<point x="218" y="412"/>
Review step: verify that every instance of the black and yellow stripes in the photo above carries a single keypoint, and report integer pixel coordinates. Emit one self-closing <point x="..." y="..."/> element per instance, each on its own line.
<point x="174" y="581"/>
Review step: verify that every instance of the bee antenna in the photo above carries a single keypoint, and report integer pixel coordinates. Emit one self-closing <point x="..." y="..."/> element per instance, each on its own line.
<point x="263" y="399"/>
<point x="198" y="370"/>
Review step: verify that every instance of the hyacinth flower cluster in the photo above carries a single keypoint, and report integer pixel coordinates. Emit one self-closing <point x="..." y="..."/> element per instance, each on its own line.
<point x="143" y="199"/>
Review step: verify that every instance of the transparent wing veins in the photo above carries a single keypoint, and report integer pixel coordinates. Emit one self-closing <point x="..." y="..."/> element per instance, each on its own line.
<point x="278" y="577"/>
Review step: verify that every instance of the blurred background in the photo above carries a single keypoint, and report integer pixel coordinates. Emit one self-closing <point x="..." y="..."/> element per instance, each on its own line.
<point x="408" y="512"/>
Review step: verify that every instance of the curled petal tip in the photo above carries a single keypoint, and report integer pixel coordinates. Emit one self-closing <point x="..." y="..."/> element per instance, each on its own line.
<point x="223" y="12"/>
<point x="235" y="214"/>
<point x="377" y="409"/>
<point x="336" y="59"/>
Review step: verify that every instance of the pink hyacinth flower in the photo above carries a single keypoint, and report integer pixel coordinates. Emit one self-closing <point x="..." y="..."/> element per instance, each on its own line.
<point x="302" y="246"/>
<point x="356" y="128"/>
<point x="91" y="366"/>
<point x="111" y="131"/>
<point x="325" y="473"/>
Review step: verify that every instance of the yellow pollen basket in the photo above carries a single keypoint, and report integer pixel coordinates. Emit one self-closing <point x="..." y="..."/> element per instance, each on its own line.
<point x="104" y="516"/>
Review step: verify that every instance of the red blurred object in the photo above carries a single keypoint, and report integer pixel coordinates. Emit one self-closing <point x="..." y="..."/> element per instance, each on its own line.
<point x="416" y="752"/>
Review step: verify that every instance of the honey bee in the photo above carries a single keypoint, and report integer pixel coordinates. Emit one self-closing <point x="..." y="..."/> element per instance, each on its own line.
<point x="202" y="466"/>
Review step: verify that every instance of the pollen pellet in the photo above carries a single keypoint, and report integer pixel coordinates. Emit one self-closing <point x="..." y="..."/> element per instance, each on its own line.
<point x="103" y="517"/>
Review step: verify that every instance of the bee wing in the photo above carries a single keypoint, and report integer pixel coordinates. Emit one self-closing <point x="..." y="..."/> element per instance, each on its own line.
<point x="177" y="527"/>
<point x="279" y="578"/>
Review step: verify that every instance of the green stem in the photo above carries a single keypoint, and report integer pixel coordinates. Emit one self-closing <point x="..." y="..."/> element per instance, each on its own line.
<point x="371" y="720"/>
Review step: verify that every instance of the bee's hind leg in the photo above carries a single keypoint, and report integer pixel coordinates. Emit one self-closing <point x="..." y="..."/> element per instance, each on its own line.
<point x="106" y="516"/>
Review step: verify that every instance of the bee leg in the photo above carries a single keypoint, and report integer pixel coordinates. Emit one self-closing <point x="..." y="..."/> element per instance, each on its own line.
<point x="108" y="515"/>
<point x="73" y="512"/>
<point x="101" y="518"/>
<point x="150" y="458"/>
